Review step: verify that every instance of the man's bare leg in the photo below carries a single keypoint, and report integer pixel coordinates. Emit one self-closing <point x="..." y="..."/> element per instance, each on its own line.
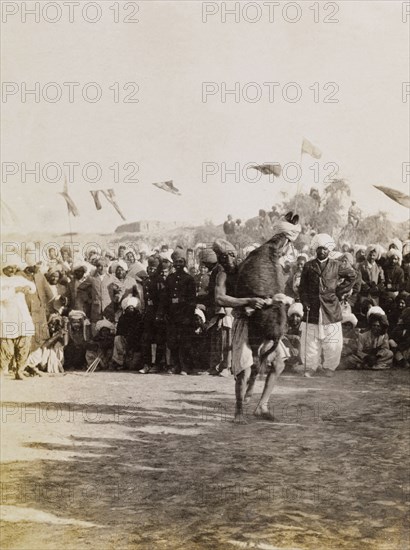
<point x="240" y="389"/>
<point x="251" y="384"/>
<point x="263" y="406"/>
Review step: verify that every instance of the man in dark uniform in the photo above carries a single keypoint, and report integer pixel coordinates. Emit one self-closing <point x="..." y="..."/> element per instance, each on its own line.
<point x="152" y="350"/>
<point x="180" y="300"/>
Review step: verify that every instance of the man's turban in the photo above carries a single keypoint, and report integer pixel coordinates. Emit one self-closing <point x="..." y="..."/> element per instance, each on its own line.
<point x="130" y="301"/>
<point x="323" y="240"/>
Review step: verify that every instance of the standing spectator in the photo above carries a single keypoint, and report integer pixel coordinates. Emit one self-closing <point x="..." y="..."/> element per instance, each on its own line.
<point x="354" y="215"/>
<point x="16" y="324"/>
<point x="320" y="290"/>
<point x="121" y="286"/>
<point x="293" y="281"/>
<point x="153" y="334"/>
<point x="400" y="340"/>
<point x="96" y="288"/>
<point x="76" y="300"/>
<point x="38" y="303"/>
<point x="179" y="309"/>
<point x="229" y="226"/>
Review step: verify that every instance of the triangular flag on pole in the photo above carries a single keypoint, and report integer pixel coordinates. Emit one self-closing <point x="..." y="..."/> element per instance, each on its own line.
<point x="109" y="194"/>
<point x="269" y="169"/>
<point x="167" y="186"/>
<point x="396" y="196"/>
<point x="310" y="149"/>
<point x="71" y="207"/>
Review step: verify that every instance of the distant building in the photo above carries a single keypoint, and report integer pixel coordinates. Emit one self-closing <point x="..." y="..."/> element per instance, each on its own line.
<point x="147" y="226"/>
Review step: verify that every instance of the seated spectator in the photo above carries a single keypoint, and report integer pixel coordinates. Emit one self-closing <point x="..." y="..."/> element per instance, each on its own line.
<point x="197" y="353"/>
<point x="292" y="338"/>
<point x="400" y="340"/>
<point x="372" y="275"/>
<point x="393" y="273"/>
<point x="78" y="335"/>
<point x="399" y="306"/>
<point x="50" y="357"/>
<point x="100" y="349"/>
<point x="127" y="342"/>
<point x="373" y="350"/>
<point x="350" y="342"/>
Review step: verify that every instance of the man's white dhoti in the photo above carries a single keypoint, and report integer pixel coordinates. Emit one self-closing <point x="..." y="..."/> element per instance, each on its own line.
<point x="326" y="339"/>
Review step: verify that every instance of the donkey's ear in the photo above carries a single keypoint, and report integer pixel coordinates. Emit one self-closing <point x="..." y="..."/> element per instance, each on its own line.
<point x="295" y="219"/>
<point x="288" y="217"/>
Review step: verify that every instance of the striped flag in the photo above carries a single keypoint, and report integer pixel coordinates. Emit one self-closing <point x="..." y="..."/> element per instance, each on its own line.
<point x="109" y="194"/>
<point x="167" y="186"/>
<point x="395" y="195"/>
<point x="71" y="206"/>
<point x="310" y="149"/>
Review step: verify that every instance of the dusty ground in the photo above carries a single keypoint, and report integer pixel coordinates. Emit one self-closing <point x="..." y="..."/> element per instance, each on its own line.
<point x="124" y="461"/>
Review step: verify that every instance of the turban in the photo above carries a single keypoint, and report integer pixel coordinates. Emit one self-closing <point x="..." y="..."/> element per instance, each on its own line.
<point x="178" y="254"/>
<point x="297" y="308"/>
<point x="406" y="248"/>
<point x="130" y="251"/>
<point x="393" y="252"/>
<point x="118" y="263"/>
<point x="103" y="323"/>
<point x="153" y="261"/>
<point x="13" y="260"/>
<point x="290" y="231"/>
<point x="397" y="243"/>
<point x="55" y="317"/>
<point x="144" y="248"/>
<point x="77" y="314"/>
<point x="323" y="240"/>
<point x="165" y="256"/>
<point x="348" y="257"/>
<point x="200" y="245"/>
<point x="208" y="256"/>
<point x="349" y="318"/>
<point x="200" y="314"/>
<point x="375" y="310"/>
<point x="221" y="246"/>
<point x="130" y="301"/>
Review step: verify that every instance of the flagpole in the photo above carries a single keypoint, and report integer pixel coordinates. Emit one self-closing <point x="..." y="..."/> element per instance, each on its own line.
<point x="69" y="221"/>
<point x="299" y="182"/>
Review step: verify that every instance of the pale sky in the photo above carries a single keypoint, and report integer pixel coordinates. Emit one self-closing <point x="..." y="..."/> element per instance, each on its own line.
<point x="171" y="132"/>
